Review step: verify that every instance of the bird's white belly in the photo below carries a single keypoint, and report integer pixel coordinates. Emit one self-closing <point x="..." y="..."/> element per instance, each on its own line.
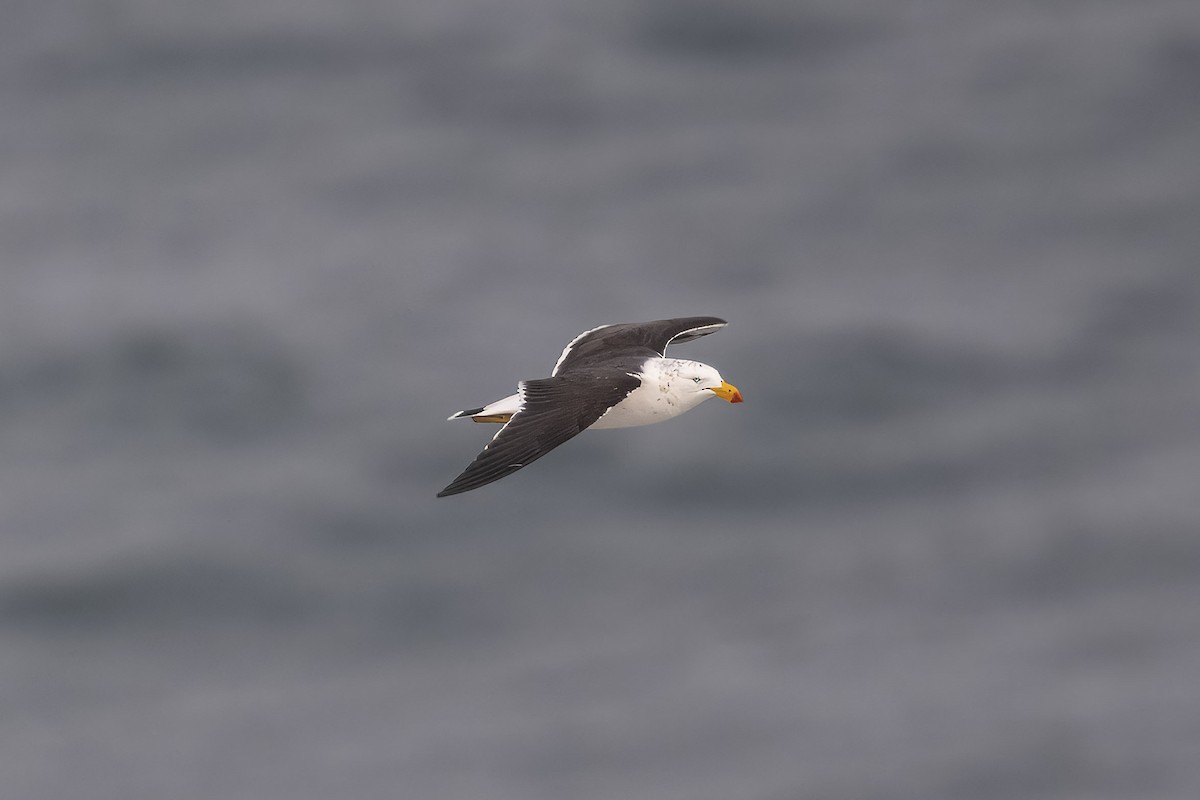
<point x="645" y="405"/>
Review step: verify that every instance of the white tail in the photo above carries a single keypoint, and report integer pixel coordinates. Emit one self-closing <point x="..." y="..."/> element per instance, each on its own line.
<point x="499" y="411"/>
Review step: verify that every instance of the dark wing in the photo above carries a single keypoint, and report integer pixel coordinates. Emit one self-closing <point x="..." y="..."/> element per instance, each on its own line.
<point x="552" y="411"/>
<point x="644" y="339"/>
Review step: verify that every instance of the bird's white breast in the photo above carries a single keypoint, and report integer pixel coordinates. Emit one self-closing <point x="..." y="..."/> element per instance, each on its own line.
<point x="658" y="398"/>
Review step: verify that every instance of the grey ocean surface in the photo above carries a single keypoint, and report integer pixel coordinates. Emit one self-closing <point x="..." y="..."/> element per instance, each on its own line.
<point x="255" y="252"/>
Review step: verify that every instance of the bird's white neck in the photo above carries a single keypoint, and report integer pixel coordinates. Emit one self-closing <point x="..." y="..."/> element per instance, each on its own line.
<point x="662" y="395"/>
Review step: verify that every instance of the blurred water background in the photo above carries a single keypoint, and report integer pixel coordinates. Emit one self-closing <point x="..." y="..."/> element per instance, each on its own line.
<point x="254" y="253"/>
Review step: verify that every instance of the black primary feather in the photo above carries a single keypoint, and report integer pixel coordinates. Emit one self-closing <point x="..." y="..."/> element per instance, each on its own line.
<point x="554" y="410"/>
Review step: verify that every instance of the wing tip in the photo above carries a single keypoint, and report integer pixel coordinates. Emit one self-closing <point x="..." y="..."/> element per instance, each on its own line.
<point x="458" y="486"/>
<point x="466" y="483"/>
<point x="711" y="322"/>
<point x="706" y="326"/>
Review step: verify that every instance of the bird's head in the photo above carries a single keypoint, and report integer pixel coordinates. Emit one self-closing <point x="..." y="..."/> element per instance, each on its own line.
<point x="704" y="380"/>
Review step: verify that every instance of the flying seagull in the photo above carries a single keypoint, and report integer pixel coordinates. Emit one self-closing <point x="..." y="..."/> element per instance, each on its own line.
<point x="614" y="376"/>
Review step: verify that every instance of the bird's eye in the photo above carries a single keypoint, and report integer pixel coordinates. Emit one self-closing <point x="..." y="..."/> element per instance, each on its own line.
<point x="697" y="380"/>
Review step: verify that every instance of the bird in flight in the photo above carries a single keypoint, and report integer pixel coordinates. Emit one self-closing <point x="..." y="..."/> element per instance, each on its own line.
<point x="614" y="376"/>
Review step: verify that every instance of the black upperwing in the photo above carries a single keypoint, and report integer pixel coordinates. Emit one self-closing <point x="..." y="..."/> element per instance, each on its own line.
<point x="553" y="410"/>
<point x="644" y="339"/>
